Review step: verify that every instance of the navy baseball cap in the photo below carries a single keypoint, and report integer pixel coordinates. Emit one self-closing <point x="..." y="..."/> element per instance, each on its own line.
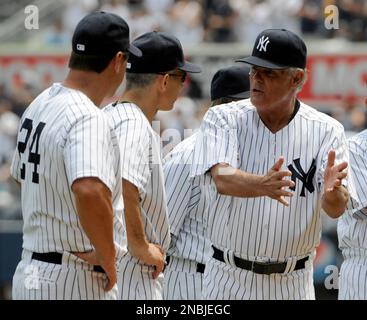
<point x="162" y="52"/>
<point x="231" y="82"/>
<point x="278" y="49"/>
<point x="102" y="34"/>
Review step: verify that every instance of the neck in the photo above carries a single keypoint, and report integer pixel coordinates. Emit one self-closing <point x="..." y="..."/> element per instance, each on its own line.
<point x="144" y="99"/>
<point x="90" y="83"/>
<point x="279" y="117"/>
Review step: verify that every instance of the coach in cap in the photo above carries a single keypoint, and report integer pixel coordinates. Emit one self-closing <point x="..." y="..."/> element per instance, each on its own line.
<point x="187" y="204"/>
<point x="153" y="83"/>
<point x="275" y="162"/>
<point x="68" y="169"/>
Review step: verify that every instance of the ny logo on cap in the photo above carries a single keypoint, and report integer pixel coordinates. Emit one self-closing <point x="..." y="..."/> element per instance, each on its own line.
<point x="263" y="43"/>
<point x="80" y="47"/>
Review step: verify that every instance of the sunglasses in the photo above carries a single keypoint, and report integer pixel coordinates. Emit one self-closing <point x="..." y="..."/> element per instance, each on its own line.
<point x="181" y="75"/>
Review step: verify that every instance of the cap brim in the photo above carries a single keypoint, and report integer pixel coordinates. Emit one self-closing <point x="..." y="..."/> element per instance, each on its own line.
<point x="241" y="95"/>
<point x="190" y="67"/>
<point x="255" y="61"/>
<point x="135" y="51"/>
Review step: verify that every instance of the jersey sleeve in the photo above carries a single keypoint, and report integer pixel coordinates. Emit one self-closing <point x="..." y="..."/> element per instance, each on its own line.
<point x="216" y="143"/>
<point x="15" y="166"/>
<point x="338" y="142"/>
<point x="178" y="189"/>
<point x="358" y="173"/>
<point x="89" y="150"/>
<point x="136" y="152"/>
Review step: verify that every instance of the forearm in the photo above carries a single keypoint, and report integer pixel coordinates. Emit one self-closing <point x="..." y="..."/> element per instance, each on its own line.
<point x="134" y="224"/>
<point x="334" y="202"/>
<point x="234" y="182"/>
<point x="94" y="206"/>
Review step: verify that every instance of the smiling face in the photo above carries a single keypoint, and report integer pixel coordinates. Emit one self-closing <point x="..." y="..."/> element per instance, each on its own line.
<point x="271" y="88"/>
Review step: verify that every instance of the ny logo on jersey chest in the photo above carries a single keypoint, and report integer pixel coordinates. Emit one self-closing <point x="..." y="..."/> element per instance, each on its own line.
<point x="305" y="177"/>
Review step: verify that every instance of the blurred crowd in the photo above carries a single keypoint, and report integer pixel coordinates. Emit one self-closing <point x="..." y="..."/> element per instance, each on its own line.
<point x="195" y="21"/>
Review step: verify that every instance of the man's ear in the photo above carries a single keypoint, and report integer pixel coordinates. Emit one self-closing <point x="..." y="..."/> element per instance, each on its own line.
<point x="297" y="78"/>
<point x="163" y="83"/>
<point x="120" y="61"/>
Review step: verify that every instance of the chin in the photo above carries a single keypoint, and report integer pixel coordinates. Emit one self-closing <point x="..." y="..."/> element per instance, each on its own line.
<point x="166" y="108"/>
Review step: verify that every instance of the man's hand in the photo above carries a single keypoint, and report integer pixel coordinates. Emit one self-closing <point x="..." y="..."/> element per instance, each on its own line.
<point x="109" y="267"/>
<point x="150" y="254"/>
<point x="274" y="183"/>
<point x="335" y="196"/>
<point x="334" y="174"/>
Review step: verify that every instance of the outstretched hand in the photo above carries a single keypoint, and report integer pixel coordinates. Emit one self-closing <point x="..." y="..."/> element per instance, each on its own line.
<point x="274" y="182"/>
<point x="334" y="174"/>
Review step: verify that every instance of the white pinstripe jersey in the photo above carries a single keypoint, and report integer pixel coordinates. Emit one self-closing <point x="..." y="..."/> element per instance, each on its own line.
<point x="186" y="205"/>
<point x="141" y="165"/>
<point x="63" y="136"/>
<point x="352" y="226"/>
<point x="261" y="228"/>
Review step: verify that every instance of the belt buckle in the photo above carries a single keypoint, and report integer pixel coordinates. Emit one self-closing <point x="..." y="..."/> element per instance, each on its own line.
<point x="261" y="267"/>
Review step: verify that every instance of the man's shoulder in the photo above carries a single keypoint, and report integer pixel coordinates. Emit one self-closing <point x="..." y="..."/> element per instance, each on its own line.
<point x="183" y="150"/>
<point x="314" y="115"/>
<point x="235" y="107"/>
<point x="126" y="111"/>
<point x="358" y="141"/>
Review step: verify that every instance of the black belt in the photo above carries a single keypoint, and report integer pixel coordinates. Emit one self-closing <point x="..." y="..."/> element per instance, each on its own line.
<point x="200" y="267"/>
<point x="259" y="267"/>
<point x="56" y="258"/>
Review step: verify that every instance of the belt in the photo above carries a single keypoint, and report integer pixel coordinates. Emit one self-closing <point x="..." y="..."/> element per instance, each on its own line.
<point x="56" y="258"/>
<point x="259" y="267"/>
<point x="200" y="267"/>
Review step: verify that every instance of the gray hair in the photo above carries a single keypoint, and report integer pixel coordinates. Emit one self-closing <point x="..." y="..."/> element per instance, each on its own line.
<point x="139" y="80"/>
<point x="293" y="71"/>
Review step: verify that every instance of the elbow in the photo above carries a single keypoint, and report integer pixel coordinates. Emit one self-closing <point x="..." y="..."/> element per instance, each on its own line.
<point x="335" y="214"/>
<point x="336" y="211"/>
<point x="89" y="189"/>
<point x="221" y="185"/>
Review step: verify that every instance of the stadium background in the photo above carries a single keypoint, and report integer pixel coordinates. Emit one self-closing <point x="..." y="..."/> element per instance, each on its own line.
<point x="214" y="33"/>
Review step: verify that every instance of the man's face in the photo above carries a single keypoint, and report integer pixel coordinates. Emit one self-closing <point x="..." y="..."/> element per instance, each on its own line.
<point x="269" y="87"/>
<point x="175" y="81"/>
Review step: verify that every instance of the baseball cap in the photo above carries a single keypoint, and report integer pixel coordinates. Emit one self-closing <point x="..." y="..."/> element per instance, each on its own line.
<point x="278" y="49"/>
<point x="161" y="52"/>
<point x="102" y="34"/>
<point x="231" y="82"/>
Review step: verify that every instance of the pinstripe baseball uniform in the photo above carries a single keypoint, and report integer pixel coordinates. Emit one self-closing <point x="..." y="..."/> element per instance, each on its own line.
<point x="190" y="247"/>
<point x="352" y="227"/>
<point x="63" y="137"/>
<point x="142" y="166"/>
<point x="261" y="229"/>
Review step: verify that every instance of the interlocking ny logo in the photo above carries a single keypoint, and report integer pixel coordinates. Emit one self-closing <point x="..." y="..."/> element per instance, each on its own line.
<point x="305" y="177"/>
<point x="263" y="43"/>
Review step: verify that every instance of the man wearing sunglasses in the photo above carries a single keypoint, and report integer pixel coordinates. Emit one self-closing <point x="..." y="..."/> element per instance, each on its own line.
<point x="152" y="83"/>
<point x="275" y="162"/>
<point x="190" y="247"/>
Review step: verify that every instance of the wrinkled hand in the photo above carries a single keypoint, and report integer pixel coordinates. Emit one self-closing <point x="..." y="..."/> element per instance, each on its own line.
<point x="150" y="254"/>
<point x="109" y="266"/>
<point x="274" y="183"/>
<point x="334" y="174"/>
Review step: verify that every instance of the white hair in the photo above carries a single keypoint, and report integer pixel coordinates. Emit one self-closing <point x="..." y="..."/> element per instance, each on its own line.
<point x="293" y="71"/>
